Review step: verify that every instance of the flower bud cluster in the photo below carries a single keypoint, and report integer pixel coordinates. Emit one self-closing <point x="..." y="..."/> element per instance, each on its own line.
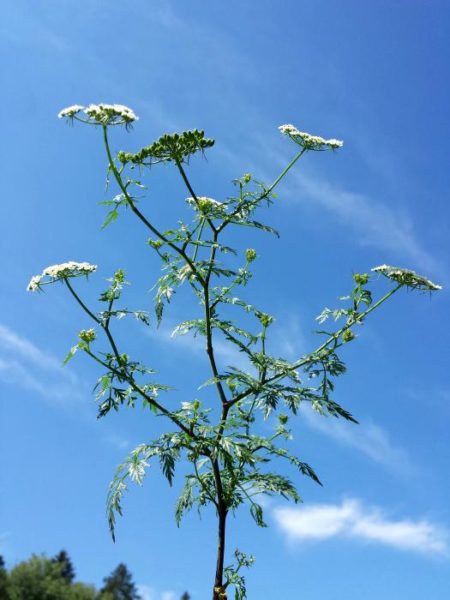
<point x="407" y="277"/>
<point x="206" y="205"/>
<point x="265" y="319"/>
<point x="155" y="243"/>
<point x="87" y="335"/>
<point x="308" y="141"/>
<point x="361" y="278"/>
<point x="348" y="336"/>
<point x="169" y="147"/>
<point x="250" y="254"/>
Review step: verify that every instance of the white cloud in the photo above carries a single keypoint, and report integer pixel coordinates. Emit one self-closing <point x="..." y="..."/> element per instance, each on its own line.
<point x="368" y="438"/>
<point x="169" y="596"/>
<point x="117" y="441"/>
<point x="25" y="365"/>
<point x="352" y="520"/>
<point x="13" y="342"/>
<point x="148" y="593"/>
<point x="377" y="224"/>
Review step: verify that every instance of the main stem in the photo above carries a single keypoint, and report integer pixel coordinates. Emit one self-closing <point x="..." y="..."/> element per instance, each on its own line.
<point x="218" y="581"/>
<point x="222" y="512"/>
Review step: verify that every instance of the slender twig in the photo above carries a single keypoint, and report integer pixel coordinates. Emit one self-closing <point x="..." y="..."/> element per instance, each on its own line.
<point x="122" y="372"/>
<point x="311" y="357"/>
<point x="139" y="214"/>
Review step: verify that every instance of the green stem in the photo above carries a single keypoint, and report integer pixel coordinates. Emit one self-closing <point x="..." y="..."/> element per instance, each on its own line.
<point x="141" y="392"/>
<point x="333" y="338"/>
<point x="191" y="190"/>
<point x="285" y="171"/>
<point x="138" y="213"/>
<point x="266" y="192"/>
<point x="81" y="303"/>
<point x="227" y="290"/>
<point x="123" y="374"/>
<point x="199" y="237"/>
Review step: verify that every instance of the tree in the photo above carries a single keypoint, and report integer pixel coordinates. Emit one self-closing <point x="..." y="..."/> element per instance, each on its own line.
<point x="233" y="460"/>
<point x="4" y="581"/>
<point x="67" y="570"/>
<point x="185" y="596"/>
<point x="119" y="585"/>
<point x="41" y="578"/>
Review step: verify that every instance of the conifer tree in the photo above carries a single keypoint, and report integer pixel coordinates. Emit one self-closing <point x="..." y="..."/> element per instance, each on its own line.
<point x="4" y="584"/>
<point x="119" y="585"/>
<point x="67" y="569"/>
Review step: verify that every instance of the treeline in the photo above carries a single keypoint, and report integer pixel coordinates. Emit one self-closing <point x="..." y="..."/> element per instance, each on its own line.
<point x="43" y="578"/>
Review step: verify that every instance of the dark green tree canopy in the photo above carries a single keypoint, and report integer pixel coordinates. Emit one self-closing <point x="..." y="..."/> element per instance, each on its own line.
<point x="67" y="571"/>
<point x="41" y="578"/>
<point x="119" y="585"/>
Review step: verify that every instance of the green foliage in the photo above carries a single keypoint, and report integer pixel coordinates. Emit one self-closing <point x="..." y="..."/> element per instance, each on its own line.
<point x="4" y="581"/>
<point x="119" y="585"/>
<point x="67" y="571"/>
<point x="231" y="462"/>
<point x="42" y="578"/>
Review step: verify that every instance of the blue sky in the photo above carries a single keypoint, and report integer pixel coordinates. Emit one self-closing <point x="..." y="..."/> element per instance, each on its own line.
<point x="370" y="73"/>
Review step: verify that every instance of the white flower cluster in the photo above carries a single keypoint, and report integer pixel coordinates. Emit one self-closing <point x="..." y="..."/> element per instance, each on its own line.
<point x="308" y="141"/>
<point x="70" y="111"/>
<point x="206" y="205"/>
<point x="105" y="114"/>
<point x="62" y="271"/>
<point x="34" y="284"/>
<point x="407" y="277"/>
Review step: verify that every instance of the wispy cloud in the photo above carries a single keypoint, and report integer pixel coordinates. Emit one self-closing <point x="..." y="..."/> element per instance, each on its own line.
<point x="376" y="223"/>
<point x="352" y="519"/>
<point x="117" y="441"/>
<point x="148" y="593"/>
<point x="19" y="345"/>
<point x="369" y="438"/>
<point x="27" y="366"/>
<point x="169" y="596"/>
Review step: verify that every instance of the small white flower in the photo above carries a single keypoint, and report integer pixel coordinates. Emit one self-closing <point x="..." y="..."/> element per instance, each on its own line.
<point x="110" y="114"/>
<point x="207" y="205"/>
<point x="70" y="111"/>
<point x="69" y="269"/>
<point x="61" y="271"/>
<point x="407" y="277"/>
<point x="34" y="286"/>
<point x="308" y="141"/>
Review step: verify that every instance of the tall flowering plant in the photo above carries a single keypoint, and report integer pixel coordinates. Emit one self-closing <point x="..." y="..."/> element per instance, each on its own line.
<point x="231" y="462"/>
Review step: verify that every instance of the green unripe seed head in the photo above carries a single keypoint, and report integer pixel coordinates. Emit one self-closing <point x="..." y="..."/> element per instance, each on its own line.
<point x="87" y="335"/>
<point x="250" y="254"/>
<point x="348" y="336"/>
<point x="361" y="278"/>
